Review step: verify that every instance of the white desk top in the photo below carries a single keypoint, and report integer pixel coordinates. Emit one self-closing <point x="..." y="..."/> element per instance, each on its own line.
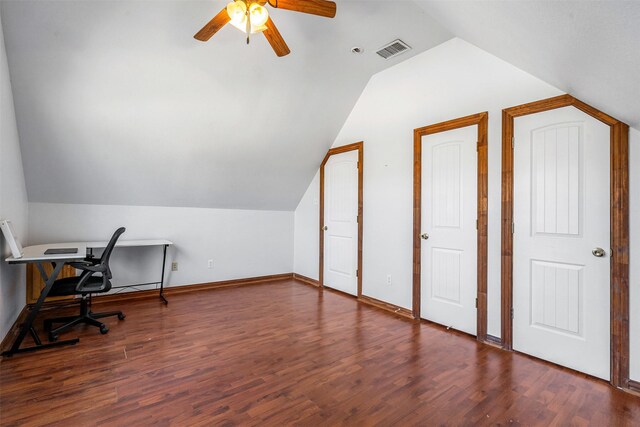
<point x="129" y="243"/>
<point x="36" y="252"/>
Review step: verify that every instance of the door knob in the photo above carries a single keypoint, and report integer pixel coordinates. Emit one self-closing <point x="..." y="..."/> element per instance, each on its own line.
<point x="598" y="252"/>
<point x="325" y="228"/>
<point x="425" y="236"/>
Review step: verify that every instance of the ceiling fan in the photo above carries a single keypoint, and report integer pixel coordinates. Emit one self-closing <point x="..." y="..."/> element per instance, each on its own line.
<point x="251" y="16"/>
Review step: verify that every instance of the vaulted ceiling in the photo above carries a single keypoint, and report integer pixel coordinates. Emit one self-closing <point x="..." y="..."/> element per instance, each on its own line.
<point x="588" y="48"/>
<point x="116" y="102"/>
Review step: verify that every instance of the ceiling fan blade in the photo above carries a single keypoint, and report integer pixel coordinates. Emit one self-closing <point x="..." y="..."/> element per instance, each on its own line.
<point x="275" y="39"/>
<point x="213" y="26"/>
<point x="314" y="7"/>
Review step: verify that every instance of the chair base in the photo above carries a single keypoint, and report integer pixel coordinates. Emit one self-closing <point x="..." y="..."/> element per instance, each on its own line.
<point x="86" y="316"/>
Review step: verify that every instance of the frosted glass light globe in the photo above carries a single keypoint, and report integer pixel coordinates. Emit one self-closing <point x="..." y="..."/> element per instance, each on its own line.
<point x="259" y="15"/>
<point x="237" y="11"/>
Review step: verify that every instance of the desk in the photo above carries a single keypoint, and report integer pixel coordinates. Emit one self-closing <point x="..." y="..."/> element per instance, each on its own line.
<point x="136" y="243"/>
<point x="36" y="255"/>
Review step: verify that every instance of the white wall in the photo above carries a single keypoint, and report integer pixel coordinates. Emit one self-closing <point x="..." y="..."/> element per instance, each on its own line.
<point x="242" y="243"/>
<point x="13" y="200"/>
<point x="452" y="80"/>
<point x="306" y="231"/>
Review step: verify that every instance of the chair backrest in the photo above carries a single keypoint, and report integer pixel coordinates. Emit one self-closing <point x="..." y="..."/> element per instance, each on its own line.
<point x="101" y="268"/>
<point x="106" y="254"/>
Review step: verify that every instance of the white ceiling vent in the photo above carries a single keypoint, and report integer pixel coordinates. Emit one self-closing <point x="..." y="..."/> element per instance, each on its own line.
<point x="394" y="48"/>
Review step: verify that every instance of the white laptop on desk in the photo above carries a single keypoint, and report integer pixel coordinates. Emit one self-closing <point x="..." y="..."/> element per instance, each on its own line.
<point x="11" y="238"/>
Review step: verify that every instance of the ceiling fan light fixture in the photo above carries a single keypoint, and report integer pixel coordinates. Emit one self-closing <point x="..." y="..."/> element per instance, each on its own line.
<point x="251" y="16"/>
<point x="258" y="16"/>
<point x="237" y="11"/>
<point x="243" y="27"/>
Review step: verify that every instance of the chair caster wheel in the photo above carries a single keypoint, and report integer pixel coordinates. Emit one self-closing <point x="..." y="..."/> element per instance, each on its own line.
<point x="53" y="337"/>
<point x="104" y="329"/>
<point x="121" y="316"/>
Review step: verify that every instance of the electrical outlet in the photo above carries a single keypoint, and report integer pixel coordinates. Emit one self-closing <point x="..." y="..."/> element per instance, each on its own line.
<point x="210" y="263"/>
<point x="388" y="279"/>
<point x="174" y="266"/>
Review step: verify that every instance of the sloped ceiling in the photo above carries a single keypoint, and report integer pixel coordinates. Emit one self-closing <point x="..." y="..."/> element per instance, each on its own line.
<point x="116" y="103"/>
<point x="590" y="49"/>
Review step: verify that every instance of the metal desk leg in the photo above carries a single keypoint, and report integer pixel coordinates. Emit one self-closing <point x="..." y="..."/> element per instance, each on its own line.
<point x="27" y="326"/>
<point x="164" y="259"/>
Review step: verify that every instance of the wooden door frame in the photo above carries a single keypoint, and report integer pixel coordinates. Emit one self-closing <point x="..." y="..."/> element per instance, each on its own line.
<point x="338" y="150"/>
<point x="481" y="120"/>
<point x="619" y="170"/>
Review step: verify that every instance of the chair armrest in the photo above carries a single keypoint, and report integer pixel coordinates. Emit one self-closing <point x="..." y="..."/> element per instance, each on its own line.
<point x="86" y="275"/>
<point x="79" y="264"/>
<point x="88" y="266"/>
<point x="91" y="259"/>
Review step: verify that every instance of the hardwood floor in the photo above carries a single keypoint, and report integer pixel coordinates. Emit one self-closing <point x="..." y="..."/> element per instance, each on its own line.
<point x="285" y="353"/>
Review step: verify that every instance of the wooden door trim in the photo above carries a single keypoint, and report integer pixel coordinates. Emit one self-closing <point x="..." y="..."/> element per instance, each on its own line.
<point x="338" y="150"/>
<point x="619" y="170"/>
<point x="481" y="120"/>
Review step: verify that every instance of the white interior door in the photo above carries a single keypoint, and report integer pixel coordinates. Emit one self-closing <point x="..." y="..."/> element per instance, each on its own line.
<point x="449" y="211"/>
<point x="341" y="222"/>
<point x="561" y="217"/>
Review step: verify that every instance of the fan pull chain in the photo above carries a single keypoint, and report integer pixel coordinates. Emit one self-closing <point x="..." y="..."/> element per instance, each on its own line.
<point x="248" y="25"/>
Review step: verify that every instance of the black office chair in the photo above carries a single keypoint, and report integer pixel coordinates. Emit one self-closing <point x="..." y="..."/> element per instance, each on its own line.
<point x="94" y="279"/>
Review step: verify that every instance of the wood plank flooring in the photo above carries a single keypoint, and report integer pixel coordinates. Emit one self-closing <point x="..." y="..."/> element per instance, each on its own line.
<point x="285" y="353"/>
